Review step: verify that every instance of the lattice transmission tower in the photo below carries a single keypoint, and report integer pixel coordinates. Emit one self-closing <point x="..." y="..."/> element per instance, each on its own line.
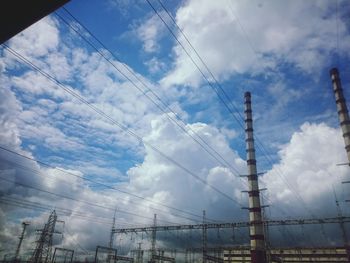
<point x="42" y="252"/>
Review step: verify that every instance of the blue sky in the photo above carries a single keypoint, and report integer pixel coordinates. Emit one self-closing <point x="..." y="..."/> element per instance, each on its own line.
<point x="281" y="52"/>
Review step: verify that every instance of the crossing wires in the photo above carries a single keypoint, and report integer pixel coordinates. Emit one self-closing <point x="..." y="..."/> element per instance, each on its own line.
<point x="89" y="180"/>
<point x="217" y="88"/>
<point x="159" y="102"/>
<point x="116" y="123"/>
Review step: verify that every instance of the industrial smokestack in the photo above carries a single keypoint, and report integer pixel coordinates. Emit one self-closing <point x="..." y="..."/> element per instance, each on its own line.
<point x="257" y="239"/>
<point x="342" y="109"/>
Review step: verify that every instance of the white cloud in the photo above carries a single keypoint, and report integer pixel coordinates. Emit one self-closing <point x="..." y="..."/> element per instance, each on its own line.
<point x="158" y="174"/>
<point x="155" y="65"/>
<point x="59" y="66"/>
<point x="94" y="79"/>
<point x="150" y="32"/>
<point x="43" y="111"/>
<point x="161" y="181"/>
<point x="276" y="108"/>
<point x="37" y="40"/>
<point x="9" y="108"/>
<point x="35" y="84"/>
<point x="124" y="7"/>
<point x="309" y="165"/>
<point x="296" y="32"/>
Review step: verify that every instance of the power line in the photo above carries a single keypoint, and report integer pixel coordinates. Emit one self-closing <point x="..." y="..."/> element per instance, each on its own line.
<point x="76" y="200"/>
<point x="177" y="121"/>
<point x="197" y="66"/>
<point x="86" y="252"/>
<point x="148" y="89"/>
<point x="60" y="210"/>
<point x="202" y="73"/>
<point x="42" y="208"/>
<point x="337" y="31"/>
<point x="191" y="58"/>
<point x="218" y="85"/>
<point x="97" y="183"/>
<point x="113" y="121"/>
<point x="260" y="145"/>
<point x="131" y="201"/>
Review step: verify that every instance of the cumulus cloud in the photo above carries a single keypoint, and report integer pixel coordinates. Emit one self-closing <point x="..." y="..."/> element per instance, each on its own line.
<point x="156" y="178"/>
<point x="157" y="173"/>
<point x="161" y="181"/>
<point x="36" y="111"/>
<point x="308" y="167"/>
<point x="39" y="120"/>
<point x="254" y="37"/>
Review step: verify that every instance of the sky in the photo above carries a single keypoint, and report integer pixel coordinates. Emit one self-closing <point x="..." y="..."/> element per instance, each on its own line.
<point x="135" y="108"/>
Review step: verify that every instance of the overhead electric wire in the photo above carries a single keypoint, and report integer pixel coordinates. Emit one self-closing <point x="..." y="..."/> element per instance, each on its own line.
<point x="337" y="31"/>
<point x="219" y="86"/>
<point x="190" y="57"/>
<point x="259" y="144"/>
<point x="86" y="252"/>
<point x="107" y="186"/>
<point x="113" y="121"/>
<point x="197" y="66"/>
<point x="177" y="121"/>
<point x="131" y="201"/>
<point x="61" y="211"/>
<point x="40" y="208"/>
<point x="80" y="200"/>
<point x="98" y="183"/>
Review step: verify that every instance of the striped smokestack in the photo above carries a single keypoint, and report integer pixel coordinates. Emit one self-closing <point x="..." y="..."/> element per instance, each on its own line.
<point x="342" y="109"/>
<point x="257" y="240"/>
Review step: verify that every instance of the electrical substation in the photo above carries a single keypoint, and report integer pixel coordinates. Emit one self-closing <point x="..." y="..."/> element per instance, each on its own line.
<point x="194" y="237"/>
<point x="206" y="240"/>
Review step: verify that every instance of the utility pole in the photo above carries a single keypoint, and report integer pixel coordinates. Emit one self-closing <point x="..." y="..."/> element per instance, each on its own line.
<point x="204" y="239"/>
<point x="24" y="225"/>
<point x="154" y="236"/>
<point x="257" y="239"/>
<point x="112" y="233"/>
<point x="342" y="226"/>
<point x="111" y="238"/>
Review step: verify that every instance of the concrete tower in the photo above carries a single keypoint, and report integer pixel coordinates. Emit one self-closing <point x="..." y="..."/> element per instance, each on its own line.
<point x="342" y="109"/>
<point x="257" y="240"/>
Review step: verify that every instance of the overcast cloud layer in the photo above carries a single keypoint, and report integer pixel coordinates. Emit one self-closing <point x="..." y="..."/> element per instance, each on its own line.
<point x="94" y="163"/>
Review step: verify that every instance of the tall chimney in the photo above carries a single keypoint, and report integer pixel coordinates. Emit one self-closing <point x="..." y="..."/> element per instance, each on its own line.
<point x="342" y="109"/>
<point x="257" y="239"/>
